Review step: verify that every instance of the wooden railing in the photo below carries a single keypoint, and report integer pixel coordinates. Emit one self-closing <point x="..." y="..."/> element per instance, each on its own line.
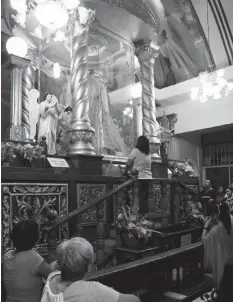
<point x="218" y="155"/>
<point x="169" y="210"/>
<point x="174" y="270"/>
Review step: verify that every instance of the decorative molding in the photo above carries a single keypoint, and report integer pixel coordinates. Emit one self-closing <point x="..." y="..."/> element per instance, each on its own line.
<point x="12" y="61"/>
<point x="29" y="200"/>
<point x="85" y="194"/>
<point x="121" y="39"/>
<point x="138" y="8"/>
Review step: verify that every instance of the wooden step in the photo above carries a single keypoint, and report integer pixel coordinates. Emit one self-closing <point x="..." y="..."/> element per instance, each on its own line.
<point x="191" y="293"/>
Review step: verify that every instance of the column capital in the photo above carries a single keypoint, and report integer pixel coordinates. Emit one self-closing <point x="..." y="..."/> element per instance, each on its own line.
<point x="13" y="61"/>
<point x="172" y="120"/>
<point x="146" y="50"/>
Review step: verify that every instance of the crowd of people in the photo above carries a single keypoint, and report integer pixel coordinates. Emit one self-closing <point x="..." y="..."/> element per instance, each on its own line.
<point x="23" y="269"/>
<point x="217" y="238"/>
<point x="28" y="278"/>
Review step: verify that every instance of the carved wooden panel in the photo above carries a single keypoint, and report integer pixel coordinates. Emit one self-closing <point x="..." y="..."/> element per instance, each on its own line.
<point x="157" y="200"/>
<point x="123" y="197"/>
<point x="85" y="194"/>
<point x="27" y="201"/>
<point x="160" y="208"/>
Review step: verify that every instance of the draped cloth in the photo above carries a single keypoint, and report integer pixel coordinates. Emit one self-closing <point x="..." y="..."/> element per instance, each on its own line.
<point x="186" y="52"/>
<point x="107" y="134"/>
<point x="218" y="247"/>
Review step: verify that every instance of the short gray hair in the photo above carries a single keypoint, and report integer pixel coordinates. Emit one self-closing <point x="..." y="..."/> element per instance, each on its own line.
<point x="75" y="256"/>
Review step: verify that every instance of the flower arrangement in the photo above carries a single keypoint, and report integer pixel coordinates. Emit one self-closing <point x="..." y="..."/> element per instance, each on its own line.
<point x="28" y="152"/>
<point x="130" y="221"/>
<point x="181" y="168"/>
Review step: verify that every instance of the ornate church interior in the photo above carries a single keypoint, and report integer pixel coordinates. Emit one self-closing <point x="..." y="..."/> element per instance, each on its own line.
<point x="86" y="87"/>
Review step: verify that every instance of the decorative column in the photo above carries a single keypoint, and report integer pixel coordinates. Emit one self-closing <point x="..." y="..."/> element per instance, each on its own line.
<point x="82" y="133"/>
<point x="28" y="83"/>
<point x="146" y="53"/>
<point x="17" y="65"/>
<point x="138" y="115"/>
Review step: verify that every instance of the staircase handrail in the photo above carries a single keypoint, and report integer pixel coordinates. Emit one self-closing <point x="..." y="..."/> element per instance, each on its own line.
<point x="109" y="194"/>
<point x="95" y="202"/>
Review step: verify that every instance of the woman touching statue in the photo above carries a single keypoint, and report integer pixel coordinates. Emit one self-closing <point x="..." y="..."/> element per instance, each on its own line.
<point x="49" y="113"/>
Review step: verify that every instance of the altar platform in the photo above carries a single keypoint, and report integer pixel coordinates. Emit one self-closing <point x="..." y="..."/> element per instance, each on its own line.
<point x="69" y="189"/>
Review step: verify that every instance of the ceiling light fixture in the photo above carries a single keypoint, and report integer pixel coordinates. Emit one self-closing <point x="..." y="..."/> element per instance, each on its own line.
<point x="56" y="71"/>
<point x="52" y="15"/>
<point x="212" y="83"/>
<point x="17" y="46"/>
<point x="71" y="4"/>
<point x="59" y="16"/>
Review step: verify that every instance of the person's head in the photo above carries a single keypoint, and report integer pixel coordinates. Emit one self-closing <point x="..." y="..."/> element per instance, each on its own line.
<point x="75" y="259"/>
<point x="207" y="183"/>
<point x="143" y="144"/>
<point x="225" y="217"/>
<point x="60" y="249"/>
<point x="25" y="235"/>
<point x="221" y="189"/>
<point x="211" y="207"/>
<point x="48" y="97"/>
<point x="229" y="192"/>
<point x="231" y="185"/>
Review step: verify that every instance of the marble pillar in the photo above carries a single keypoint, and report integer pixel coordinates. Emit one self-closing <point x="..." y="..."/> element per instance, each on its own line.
<point x="17" y="66"/>
<point x="28" y="83"/>
<point x="82" y="133"/>
<point x="146" y="53"/>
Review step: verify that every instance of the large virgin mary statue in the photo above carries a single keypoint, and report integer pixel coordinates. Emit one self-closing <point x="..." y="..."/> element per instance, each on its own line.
<point x="49" y="113"/>
<point x="107" y="138"/>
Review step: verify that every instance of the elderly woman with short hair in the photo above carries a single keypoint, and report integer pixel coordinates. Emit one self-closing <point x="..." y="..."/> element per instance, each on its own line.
<point x="75" y="259"/>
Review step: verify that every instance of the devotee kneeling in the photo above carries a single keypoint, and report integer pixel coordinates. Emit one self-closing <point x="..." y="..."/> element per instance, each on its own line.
<point x="23" y="267"/>
<point x="75" y="259"/>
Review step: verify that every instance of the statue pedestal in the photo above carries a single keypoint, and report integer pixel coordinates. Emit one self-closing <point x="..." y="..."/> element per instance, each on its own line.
<point x="86" y="164"/>
<point x="159" y="170"/>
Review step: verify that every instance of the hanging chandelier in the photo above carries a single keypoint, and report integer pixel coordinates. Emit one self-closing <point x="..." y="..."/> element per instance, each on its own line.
<point x="212" y="85"/>
<point x="55" y="15"/>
